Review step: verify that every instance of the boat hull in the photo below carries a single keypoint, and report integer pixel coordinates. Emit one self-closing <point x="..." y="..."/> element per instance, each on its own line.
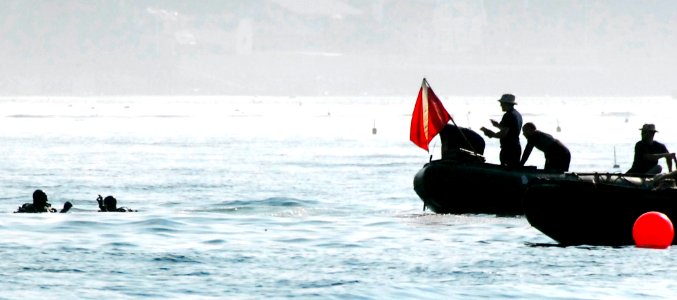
<point x="584" y="212"/>
<point x="458" y="187"/>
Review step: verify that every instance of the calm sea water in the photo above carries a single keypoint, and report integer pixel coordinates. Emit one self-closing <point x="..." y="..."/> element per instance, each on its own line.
<point x="264" y="197"/>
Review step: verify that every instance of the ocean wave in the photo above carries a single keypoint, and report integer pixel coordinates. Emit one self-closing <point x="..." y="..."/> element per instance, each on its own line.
<point x="270" y="202"/>
<point x="172" y="258"/>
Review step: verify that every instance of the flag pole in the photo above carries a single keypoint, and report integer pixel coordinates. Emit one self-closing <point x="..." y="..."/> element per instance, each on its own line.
<point x="425" y="82"/>
<point x="463" y="135"/>
<point x="427" y="85"/>
<point x="458" y="128"/>
<point x="428" y="118"/>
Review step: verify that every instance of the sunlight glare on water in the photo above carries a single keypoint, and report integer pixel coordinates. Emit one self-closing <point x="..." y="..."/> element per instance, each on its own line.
<point x="258" y="197"/>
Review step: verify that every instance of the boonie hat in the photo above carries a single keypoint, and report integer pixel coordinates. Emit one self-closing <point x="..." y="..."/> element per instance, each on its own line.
<point x="508" y="98"/>
<point x="649" y="127"/>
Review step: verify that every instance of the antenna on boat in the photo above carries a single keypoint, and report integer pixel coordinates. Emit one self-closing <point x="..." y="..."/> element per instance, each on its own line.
<point x="433" y="150"/>
<point x="463" y="135"/>
<point x="615" y="164"/>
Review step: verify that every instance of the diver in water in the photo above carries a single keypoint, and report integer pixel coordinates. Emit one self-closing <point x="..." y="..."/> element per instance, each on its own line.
<point x="109" y="204"/>
<point x="41" y="205"/>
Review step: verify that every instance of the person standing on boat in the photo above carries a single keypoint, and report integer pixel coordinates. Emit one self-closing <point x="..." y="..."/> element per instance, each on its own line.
<point x="508" y="133"/>
<point x="557" y="156"/>
<point x="648" y="152"/>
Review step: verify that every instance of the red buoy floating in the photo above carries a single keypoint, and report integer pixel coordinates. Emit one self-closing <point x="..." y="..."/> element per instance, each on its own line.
<point x="653" y="230"/>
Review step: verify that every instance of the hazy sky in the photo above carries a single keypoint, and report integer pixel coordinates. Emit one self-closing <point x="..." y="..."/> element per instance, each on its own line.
<point x="338" y="47"/>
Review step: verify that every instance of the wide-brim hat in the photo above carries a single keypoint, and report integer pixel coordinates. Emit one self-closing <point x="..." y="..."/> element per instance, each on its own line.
<point x="649" y="127"/>
<point x="508" y="98"/>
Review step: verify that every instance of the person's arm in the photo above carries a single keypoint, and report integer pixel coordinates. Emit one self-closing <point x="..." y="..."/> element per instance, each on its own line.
<point x="66" y="207"/>
<point x="669" y="157"/>
<point x="527" y="152"/>
<point x="666" y="155"/>
<point x="668" y="161"/>
<point x="487" y="132"/>
<point x="663" y="153"/>
<point x="502" y="130"/>
<point x="100" y="201"/>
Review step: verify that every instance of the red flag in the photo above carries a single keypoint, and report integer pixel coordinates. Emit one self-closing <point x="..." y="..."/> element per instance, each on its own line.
<point x="428" y="118"/>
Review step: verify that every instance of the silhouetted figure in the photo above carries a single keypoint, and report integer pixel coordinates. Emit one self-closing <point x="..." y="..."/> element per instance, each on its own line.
<point x="41" y="205"/>
<point x="509" y="132"/>
<point x="648" y="152"/>
<point x="452" y="139"/>
<point x="557" y="156"/>
<point x="109" y="204"/>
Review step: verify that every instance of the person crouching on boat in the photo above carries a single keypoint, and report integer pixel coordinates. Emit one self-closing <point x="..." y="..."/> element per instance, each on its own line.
<point x="648" y="152"/>
<point x="109" y="204"/>
<point x="557" y="156"/>
<point x="41" y="205"/>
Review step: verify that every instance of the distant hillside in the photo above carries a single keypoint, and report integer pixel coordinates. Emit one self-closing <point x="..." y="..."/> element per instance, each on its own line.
<point x="349" y="47"/>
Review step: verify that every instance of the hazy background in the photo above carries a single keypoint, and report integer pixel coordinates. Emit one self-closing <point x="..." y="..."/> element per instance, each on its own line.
<point x="338" y="47"/>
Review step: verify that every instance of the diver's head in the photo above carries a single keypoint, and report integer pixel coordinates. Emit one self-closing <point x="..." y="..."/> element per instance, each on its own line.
<point x="39" y="198"/>
<point x="110" y="203"/>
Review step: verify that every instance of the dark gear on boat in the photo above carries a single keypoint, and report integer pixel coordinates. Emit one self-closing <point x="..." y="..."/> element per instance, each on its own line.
<point x="454" y="137"/>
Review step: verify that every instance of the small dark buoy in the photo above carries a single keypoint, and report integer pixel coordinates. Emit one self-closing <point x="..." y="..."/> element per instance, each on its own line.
<point x="616" y="166"/>
<point x="373" y="129"/>
<point x="558" y="128"/>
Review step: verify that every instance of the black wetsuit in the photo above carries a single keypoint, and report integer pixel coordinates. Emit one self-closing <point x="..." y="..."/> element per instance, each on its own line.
<point x="30" y="208"/>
